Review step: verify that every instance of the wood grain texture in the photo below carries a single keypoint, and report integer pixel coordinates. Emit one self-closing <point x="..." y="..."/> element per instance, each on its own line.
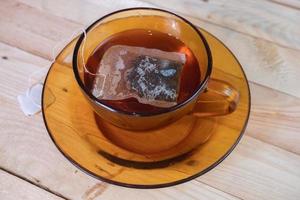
<point x="264" y="165"/>
<point x="254" y="169"/>
<point x="275" y="118"/>
<point x="269" y="64"/>
<point x="13" y="188"/>
<point x="262" y="19"/>
<point x="289" y="3"/>
<point x="35" y="32"/>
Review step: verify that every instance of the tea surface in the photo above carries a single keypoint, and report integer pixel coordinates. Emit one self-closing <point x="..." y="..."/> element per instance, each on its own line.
<point x="190" y="75"/>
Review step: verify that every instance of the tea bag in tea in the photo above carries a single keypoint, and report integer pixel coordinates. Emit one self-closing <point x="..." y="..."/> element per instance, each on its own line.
<point x="151" y="76"/>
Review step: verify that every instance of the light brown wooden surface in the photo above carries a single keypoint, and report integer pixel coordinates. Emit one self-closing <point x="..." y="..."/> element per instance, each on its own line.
<point x="290" y="3"/>
<point x="264" y="35"/>
<point x="13" y="188"/>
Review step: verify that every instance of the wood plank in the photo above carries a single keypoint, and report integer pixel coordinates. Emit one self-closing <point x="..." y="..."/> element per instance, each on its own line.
<point x="256" y="170"/>
<point x="47" y="175"/>
<point x="86" y="11"/>
<point x="289" y="3"/>
<point x="196" y="190"/>
<point x="17" y="75"/>
<point x="243" y="167"/>
<point x="12" y="188"/>
<point x="275" y="118"/>
<point x="44" y="163"/>
<point x="277" y="23"/>
<point x="36" y="31"/>
<point x="264" y="63"/>
<point x="269" y="64"/>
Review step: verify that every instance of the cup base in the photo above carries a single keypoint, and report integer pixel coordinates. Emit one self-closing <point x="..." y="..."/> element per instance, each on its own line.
<point x="160" y="144"/>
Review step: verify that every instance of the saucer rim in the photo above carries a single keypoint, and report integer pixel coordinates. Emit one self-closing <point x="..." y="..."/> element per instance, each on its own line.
<point x="154" y="186"/>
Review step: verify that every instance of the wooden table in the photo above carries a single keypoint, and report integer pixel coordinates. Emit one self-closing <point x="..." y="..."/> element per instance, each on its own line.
<point x="265" y="37"/>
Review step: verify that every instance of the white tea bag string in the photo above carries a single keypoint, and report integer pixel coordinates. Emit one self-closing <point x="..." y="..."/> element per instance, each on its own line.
<point x="30" y="101"/>
<point x="84" y="65"/>
<point x="57" y="46"/>
<point x="40" y="74"/>
<point x="82" y="56"/>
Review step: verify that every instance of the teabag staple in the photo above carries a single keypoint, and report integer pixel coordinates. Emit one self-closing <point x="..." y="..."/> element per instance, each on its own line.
<point x="151" y="76"/>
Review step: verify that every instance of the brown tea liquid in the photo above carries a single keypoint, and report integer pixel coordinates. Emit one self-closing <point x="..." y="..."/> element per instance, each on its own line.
<point x="190" y="75"/>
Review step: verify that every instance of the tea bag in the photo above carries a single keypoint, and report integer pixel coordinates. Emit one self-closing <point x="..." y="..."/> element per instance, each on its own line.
<point x="151" y="76"/>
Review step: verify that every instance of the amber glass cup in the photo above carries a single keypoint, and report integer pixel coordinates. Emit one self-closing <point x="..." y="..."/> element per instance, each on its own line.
<point x="211" y="98"/>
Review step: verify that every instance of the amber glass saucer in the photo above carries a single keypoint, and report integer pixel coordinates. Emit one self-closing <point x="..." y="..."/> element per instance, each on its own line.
<point x="163" y="157"/>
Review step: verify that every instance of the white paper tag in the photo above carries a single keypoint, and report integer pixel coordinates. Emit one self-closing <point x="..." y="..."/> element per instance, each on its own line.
<point x="30" y="102"/>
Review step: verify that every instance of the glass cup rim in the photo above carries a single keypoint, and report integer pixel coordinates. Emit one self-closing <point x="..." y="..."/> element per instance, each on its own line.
<point x="199" y="89"/>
